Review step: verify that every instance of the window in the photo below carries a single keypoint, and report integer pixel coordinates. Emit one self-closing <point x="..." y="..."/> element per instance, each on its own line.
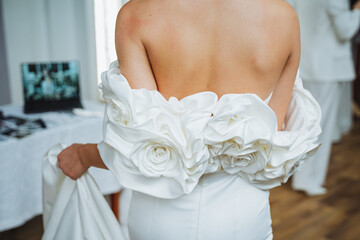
<point x="105" y="17"/>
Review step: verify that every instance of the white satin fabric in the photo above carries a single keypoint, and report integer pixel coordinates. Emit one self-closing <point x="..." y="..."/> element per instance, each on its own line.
<point x="221" y="206"/>
<point x="200" y="167"/>
<point x="74" y="209"/>
<point x="312" y="176"/>
<point x="162" y="148"/>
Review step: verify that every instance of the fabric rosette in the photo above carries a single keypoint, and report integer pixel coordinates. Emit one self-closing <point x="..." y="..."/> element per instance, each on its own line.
<point x="156" y="157"/>
<point x="147" y="144"/>
<point x="162" y="147"/>
<point x="239" y="135"/>
<point x="295" y="144"/>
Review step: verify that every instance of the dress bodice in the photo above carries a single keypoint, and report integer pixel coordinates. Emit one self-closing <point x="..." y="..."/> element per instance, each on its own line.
<point x="162" y="147"/>
<point x="267" y="100"/>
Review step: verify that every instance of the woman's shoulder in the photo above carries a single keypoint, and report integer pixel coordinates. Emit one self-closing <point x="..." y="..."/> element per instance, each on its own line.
<point x="282" y="15"/>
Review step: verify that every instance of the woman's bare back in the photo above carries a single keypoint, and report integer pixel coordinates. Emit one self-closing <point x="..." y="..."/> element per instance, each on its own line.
<point x="231" y="46"/>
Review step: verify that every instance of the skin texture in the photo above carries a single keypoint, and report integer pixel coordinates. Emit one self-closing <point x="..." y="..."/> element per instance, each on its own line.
<point x="184" y="47"/>
<point x="75" y="160"/>
<point x="357" y="5"/>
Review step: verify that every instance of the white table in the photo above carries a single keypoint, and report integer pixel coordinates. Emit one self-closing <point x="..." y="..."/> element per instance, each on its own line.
<point x="21" y="161"/>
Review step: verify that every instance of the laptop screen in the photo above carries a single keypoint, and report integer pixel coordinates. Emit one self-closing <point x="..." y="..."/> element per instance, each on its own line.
<point x="51" y="86"/>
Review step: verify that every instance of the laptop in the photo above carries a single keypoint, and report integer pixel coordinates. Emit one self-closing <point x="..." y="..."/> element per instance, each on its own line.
<point x="51" y="86"/>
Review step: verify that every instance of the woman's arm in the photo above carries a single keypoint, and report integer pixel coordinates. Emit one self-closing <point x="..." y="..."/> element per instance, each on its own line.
<point x="132" y="55"/>
<point x="345" y="21"/>
<point x="75" y="160"/>
<point x="90" y="156"/>
<point x="282" y="93"/>
<point x="135" y="66"/>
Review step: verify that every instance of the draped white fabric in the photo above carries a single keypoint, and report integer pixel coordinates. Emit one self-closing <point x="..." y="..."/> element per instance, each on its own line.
<point x="20" y="197"/>
<point x="312" y="177"/>
<point x="162" y="147"/>
<point x="191" y="162"/>
<point x="74" y="209"/>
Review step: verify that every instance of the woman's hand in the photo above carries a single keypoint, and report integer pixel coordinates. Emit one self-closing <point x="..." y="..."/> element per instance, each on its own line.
<point x="70" y="162"/>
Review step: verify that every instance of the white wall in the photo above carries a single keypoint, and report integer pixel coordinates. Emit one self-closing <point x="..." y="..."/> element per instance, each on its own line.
<point x="4" y="81"/>
<point x="105" y="18"/>
<point x="50" y="30"/>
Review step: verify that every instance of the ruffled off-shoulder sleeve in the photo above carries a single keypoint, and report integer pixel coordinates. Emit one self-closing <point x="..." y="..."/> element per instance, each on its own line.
<point x="150" y="144"/>
<point x="294" y="145"/>
<point x="162" y="147"/>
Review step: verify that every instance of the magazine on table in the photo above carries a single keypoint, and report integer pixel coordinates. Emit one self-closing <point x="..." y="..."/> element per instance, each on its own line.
<point x="17" y="127"/>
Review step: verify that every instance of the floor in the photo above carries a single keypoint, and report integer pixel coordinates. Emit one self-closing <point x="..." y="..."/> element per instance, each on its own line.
<point x="333" y="216"/>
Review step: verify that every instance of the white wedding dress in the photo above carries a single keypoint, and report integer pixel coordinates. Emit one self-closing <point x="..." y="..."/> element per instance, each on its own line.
<point x="201" y="167"/>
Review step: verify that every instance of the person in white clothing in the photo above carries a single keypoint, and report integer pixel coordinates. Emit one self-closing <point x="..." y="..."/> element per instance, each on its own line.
<point x="327" y="70"/>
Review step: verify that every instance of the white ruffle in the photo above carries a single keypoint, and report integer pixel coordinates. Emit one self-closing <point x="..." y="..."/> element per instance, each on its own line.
<point x="74" y="209"/>
<point x="162" y="147"/>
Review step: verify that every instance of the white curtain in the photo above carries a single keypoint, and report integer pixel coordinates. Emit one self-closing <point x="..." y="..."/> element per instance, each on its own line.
<point x="105" y="17"/>
<point x="50" y="30"/>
